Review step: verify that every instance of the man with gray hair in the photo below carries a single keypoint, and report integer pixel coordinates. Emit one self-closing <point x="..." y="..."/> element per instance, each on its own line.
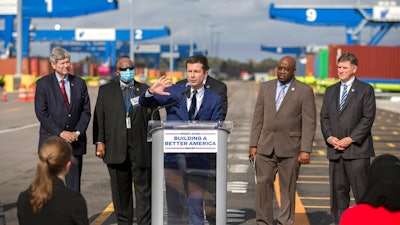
<point x="62" y="107"/>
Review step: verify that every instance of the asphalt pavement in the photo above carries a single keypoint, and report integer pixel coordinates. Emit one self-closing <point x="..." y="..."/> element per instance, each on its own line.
<point x="18" y="154"/>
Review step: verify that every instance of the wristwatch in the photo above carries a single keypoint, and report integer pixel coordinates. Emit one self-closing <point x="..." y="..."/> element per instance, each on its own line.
<point x="77" y="132"/>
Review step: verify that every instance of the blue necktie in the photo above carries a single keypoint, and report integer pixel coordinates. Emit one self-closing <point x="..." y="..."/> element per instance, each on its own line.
<point x="343" y="99"/>
<point x="192" y="109"/>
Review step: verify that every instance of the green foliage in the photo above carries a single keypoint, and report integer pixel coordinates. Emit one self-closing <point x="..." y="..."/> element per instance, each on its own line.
<point x="2" y="81"/>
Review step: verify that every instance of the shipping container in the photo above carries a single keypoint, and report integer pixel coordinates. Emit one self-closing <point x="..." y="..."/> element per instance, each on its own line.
<point x="44" y="67"/>
<point x="9" y="66"/>
<point x="323" y="63"/>
<point x="379" y="63"/>
<point x="34" y="66"/>
<point x="310" y="65"/>
<point x="300" y="67"/>
<point x="316" y="65"/>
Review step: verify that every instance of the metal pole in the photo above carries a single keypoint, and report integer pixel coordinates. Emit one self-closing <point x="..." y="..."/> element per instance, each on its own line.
<point x="19" y="39"/>
<point x="204" y="16"/>
<point x="132" y="34"/>
<point x="171" y="42"/>
<point x="212" y="26"/>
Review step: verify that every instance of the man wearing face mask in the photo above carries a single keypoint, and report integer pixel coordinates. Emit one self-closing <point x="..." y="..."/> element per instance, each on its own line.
<point x="120" y="136"/>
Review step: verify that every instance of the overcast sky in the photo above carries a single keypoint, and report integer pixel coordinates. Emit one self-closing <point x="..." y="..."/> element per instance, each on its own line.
<point x="242" y="25"/>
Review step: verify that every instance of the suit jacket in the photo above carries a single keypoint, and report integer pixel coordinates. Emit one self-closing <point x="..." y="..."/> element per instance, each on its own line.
<point x="109" y="124"/>
<point x="66" y="207"/>
<point x="289" y="130"/>
<point x="54" y="116"/>
<point x="218" y="87"/>
<point x="210" y="109"/>
<point x="355" y="120"/>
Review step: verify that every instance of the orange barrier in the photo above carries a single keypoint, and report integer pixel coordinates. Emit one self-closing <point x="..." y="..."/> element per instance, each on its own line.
<point x="4" y="96"/>
<point x="22" y="97"/>
<point x="31" y="93"/>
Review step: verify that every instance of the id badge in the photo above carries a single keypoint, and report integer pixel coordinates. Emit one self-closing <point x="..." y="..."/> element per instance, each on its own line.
<point x="135" y="102"/>
<point x="128" y="122"/>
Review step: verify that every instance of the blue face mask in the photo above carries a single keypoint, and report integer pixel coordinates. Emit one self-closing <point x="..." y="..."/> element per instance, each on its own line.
<point x="127" y="75"/>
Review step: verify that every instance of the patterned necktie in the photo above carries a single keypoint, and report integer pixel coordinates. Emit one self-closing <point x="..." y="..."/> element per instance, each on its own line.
<point x="126" y="92"/>
<point x="343" y="99"/>
<point x="64" y="93"/>
<point x="280" y="97"/>
<point x="192" y="109"/>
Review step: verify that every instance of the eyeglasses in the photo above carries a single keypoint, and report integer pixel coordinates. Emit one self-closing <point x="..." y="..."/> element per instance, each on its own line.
<point x="126" y="68"/>
<point x="285" y="68"/>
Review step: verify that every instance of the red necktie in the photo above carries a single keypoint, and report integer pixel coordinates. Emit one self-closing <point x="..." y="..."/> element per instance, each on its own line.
<point x="64" y="93"/>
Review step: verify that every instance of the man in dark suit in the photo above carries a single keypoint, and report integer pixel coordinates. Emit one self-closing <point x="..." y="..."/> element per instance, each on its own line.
<point x="218" y="87"/>
<point x="347" y="115"/>
<point x="120" y="134"/>
<point x="62" y="107"/>
<point x="281" y="139"/>
<point x="221" y="89"/>
<point x="200" y="104"/>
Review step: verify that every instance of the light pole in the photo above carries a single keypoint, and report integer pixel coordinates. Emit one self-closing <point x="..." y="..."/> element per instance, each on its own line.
<point x="204" y="16"/>
<point x="191" y="28"/>
<point x="217" y="34"/>
<point x="132" y="35"/>
<point x="212" y="26"/>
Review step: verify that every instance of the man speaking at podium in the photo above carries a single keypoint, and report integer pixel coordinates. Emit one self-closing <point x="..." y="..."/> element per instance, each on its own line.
<point x="190" y="102"/>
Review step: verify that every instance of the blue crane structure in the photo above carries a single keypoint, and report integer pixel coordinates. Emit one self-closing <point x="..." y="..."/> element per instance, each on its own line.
<point x="383" y="16"/>
<point x="150" y="53"/>
<point x="101" y="43"/>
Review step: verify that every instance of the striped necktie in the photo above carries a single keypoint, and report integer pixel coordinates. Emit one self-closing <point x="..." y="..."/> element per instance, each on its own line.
<point x="281" y="95"/>
<point x="343" y="98"/>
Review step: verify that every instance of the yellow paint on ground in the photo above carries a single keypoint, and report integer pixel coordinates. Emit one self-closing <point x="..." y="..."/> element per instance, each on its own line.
<point x="395" y="132"/>
<point x="300" y="212"/>
<point x="8" y="110"/>
<point x="321" y="152"/>
<point x="104" y="215"/>
<point x="391" y="145"/>
<point x="314" y="176"/>
<point x="376" y="138"/>
<point x="312" y="182"/>
<point x="315" y="198"/>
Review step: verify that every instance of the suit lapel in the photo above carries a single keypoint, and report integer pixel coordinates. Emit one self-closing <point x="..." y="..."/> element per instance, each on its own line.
<point x="72" y="91"/>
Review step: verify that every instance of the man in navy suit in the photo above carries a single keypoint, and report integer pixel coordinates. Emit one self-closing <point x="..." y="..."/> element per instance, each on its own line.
<point x="347" y="115"/>
<point x="207" y="104"/>
<point x="62" y="107"/>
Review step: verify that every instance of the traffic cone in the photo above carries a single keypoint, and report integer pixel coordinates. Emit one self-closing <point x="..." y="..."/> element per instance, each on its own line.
<point x="22" y="93"/>
<point x="4" y="96"/>
<point x="31" y="93"/>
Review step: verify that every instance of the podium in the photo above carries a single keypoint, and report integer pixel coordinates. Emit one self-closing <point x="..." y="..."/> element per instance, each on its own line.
<point x="194" y="139"/>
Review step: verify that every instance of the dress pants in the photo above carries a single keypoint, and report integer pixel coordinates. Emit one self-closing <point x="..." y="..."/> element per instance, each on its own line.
<point x="343" y="174"/>
<point x="73" y="177"/>
<point x="288" y="171"/>
<point x="186" y="177"/>
<point x="121" y="178"/>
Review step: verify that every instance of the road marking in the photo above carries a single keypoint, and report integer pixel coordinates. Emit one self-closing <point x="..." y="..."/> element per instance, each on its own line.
<point x="12" y="110"/>
<point x="321" y="152"/>
<point x="104" y="215"/>
<point x="19" y="128"/>
<point x="312" y="182"/>
<point x="237" y="187"/>
<point x="314" y="176"/>
<point x="391" y="145"/>
<point x="301" y="215"/>
<point x="238" y="168"/>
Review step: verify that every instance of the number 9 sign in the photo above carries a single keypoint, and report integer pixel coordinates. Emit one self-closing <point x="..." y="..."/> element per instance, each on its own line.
<point x="311" y="15"/>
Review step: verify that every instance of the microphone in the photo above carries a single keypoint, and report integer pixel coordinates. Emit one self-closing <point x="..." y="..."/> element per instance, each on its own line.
<point x="188" y="88"/>
<point x="186" y="91"/>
